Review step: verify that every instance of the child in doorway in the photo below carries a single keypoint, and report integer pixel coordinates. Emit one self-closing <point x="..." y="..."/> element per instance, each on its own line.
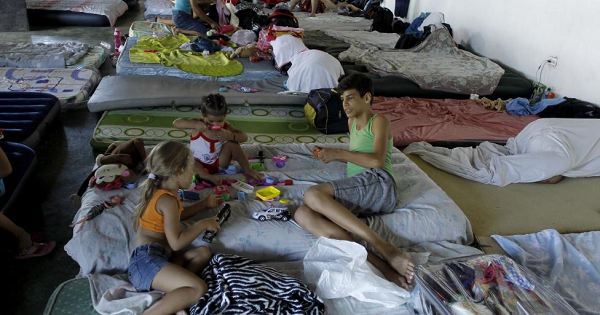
<point x="215" y="142"/>
<point x="331" y="209"/>
<point x="158" y="261"/>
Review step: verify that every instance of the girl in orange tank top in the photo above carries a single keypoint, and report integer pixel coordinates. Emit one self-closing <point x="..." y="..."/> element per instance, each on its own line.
<point x="159" y="261"/>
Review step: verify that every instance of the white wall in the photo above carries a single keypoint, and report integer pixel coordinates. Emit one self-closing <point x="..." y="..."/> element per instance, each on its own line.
<point x="521" y="34"/>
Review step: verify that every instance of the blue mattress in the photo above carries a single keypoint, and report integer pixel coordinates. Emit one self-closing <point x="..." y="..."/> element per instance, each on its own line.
<point x="23" y="160"/>
<point x="24" y="116"/>
<point x="253" y="71"/>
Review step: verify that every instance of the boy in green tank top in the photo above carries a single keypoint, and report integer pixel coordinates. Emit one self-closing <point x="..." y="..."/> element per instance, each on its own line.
<point x="331" y="209"/>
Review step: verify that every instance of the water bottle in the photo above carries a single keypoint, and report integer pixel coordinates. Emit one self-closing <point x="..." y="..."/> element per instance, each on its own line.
<point x="117" y="39"/>
<point x="548" y="93"/>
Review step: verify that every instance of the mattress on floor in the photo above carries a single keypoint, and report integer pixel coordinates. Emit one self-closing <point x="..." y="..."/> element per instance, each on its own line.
<point x="94" y="59"/>
<point x="75" y="12"/>
<point x="252" y="70"/>
<point x="71" y="297"/>
<point x="263" y="124"/>
<point x="120" y="92"/>
<point x="23" y="161"/>
<point x="71" y="86"/>
<point x="146" y="28"/>
<point x="106" y="242"/>
<point x="434" y="120"/>
<point x="24" y="116"/>
<point x="158" y="8"/>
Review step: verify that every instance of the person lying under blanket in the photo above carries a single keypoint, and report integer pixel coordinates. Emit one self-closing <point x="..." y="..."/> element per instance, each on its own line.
<point x="310" y="68"/>
<point x="545" y="151"/>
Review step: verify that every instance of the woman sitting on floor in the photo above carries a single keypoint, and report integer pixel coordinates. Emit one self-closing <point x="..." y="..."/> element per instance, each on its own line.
<point x="184" y="20"/>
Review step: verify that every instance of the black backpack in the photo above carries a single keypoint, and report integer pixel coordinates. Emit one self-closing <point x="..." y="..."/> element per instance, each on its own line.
<point x="324" y="110"/>
<point x="382" y="21"/>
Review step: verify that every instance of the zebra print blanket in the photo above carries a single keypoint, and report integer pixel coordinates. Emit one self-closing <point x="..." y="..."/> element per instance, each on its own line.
<point x="238" y="285"/>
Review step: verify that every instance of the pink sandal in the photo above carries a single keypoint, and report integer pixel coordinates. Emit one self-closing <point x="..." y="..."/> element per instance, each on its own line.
<point x="37" y="250"/>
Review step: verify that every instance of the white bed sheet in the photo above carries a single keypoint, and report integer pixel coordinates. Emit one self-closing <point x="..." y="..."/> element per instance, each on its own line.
<point x="112" y="9"/>
<point x="569" y="263"/>
<point x="424" y="214"/>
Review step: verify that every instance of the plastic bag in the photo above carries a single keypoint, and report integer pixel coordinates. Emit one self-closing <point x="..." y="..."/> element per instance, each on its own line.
<point x="243" y="37"/>
<point x="486" y="284"/>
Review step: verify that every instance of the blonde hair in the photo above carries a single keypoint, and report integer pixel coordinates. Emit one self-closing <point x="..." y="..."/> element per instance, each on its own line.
<point x="169" y="158"/>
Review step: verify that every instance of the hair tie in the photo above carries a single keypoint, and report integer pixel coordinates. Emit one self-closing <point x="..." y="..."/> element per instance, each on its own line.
<point x="151" y="176"/>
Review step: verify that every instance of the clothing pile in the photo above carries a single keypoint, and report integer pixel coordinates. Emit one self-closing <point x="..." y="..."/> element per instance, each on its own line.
<point x="237" y="285"/>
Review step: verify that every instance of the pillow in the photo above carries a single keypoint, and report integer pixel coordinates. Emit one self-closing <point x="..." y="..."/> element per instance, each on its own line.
<point x="285" y="47"/>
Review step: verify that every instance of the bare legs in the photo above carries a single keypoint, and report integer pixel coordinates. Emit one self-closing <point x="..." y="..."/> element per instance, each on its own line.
<point x="234" y="150"/>
<point x="323" y="216"/>
<point x="552" y="180"/>
<point x="179" y="279"/>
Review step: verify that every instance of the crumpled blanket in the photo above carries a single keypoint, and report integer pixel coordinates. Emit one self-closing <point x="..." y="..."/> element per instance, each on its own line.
<point x="365" y="38"/>
<point x="435" y="64"/>
<point x="545" y="148"/>
<point x="166" y="52"/>
<point x="41" y="55"/>
<point x="498" y="105"/>
<point x="237" y="285"/>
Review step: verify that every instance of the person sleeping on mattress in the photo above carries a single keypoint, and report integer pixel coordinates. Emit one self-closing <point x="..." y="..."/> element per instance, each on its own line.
<point x="331" y="209"/>
<point x="214" y="142"/>
<point x="159" y="260"/>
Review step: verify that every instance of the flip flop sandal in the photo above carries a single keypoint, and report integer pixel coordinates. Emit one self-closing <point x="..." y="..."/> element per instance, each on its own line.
<point x="37" y="250"/>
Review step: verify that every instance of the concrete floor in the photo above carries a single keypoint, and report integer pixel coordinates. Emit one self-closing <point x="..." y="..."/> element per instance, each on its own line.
<point x="569" y="206"/>
<point x="65" y="158"/>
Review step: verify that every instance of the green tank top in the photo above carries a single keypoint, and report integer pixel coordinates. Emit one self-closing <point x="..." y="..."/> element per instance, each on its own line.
<point x="362" y="141"/>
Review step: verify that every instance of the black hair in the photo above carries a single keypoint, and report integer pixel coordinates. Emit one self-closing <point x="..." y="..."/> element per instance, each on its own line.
<point x="213" y="104"/>
<point x="359" y="82"/>
<point x="283" y="17"/>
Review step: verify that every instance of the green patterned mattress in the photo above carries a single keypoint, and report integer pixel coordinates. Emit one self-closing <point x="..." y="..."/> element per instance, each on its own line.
<point x="263" y="124"/>
<point x="71" y="297"/>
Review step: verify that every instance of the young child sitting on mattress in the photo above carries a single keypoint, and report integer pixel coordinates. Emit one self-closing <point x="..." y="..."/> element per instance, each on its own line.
<point x="183" y="16"/>
<point x="331" y="209"/>
<point x="213" y="141"/>
<point x="159" y="262"/>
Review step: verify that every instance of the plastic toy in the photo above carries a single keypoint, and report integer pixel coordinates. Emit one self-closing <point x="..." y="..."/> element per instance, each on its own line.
<point x="317" y="150"/>
<point x="268" y="193"/>
<point x="243" y="187"/>
<point x="269" y="180"/>
<point x="187" y="195"/>
<point x="221" y="189"/>
<point x="272" y="213"/>
<point x="226" y="196"/>
<point x="232" y="169"/>
<point x="241" y="196"/>
<point x="131" y="185"/>
<point x="98" y="209"/>
<point x="215" y="127"/>
<point x="259" y="167"/>
<point x="280" y="160"/>
<point x="223" y="215"/>
<point x="110" y="176"/>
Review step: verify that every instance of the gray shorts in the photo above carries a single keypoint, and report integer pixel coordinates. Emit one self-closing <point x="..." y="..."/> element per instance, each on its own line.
<point x="371" y="192"/>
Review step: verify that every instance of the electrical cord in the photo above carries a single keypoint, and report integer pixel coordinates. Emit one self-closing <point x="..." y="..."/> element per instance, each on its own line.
<point x="540" y="69"/>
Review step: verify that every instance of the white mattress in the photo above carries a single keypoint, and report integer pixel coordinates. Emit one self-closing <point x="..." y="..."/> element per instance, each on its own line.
<point x="424" y="214"/>
<point x="71" y="86"/>
<point x="253" y="71"/>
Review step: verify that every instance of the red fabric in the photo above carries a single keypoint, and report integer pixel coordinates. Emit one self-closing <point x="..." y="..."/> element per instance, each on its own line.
<point x="418" y="119"/>
<point x="211" y="168"/>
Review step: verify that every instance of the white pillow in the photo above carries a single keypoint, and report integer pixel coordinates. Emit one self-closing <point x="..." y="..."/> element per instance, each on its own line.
<point x="285" y="47"/>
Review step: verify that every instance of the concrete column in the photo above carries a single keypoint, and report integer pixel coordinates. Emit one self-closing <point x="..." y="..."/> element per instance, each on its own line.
<point x="13" y="16"/>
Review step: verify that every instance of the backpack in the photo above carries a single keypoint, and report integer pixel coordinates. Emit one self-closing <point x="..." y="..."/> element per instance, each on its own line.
<point x="324" y="110"/>
<point x="382" y="21"/>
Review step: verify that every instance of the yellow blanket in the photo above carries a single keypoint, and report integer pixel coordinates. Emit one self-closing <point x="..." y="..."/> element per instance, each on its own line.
<point x="166" y="52"/>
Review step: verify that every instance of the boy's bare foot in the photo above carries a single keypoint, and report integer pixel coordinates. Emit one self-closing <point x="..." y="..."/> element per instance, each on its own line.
<point x="400" y="262"/>
<point x="395" y="278"/>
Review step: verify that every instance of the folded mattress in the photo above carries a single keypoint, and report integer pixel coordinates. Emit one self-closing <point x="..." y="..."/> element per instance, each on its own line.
<point x="252" y="70"/>
<point x="72" y="87"/>
<point x="120" y="92"/>
<point x="24" y="116"/>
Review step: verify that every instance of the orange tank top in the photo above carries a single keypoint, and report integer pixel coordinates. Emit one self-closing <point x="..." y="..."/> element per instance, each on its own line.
<point x="153" y="220"/>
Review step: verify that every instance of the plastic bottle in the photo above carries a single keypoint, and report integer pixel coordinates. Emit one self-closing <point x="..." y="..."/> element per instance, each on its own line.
<point x="550" y="94"/>
<point x="117" y="39"/>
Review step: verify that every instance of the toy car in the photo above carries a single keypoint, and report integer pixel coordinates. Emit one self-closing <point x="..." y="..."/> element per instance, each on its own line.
<point x="272" y="213"/>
